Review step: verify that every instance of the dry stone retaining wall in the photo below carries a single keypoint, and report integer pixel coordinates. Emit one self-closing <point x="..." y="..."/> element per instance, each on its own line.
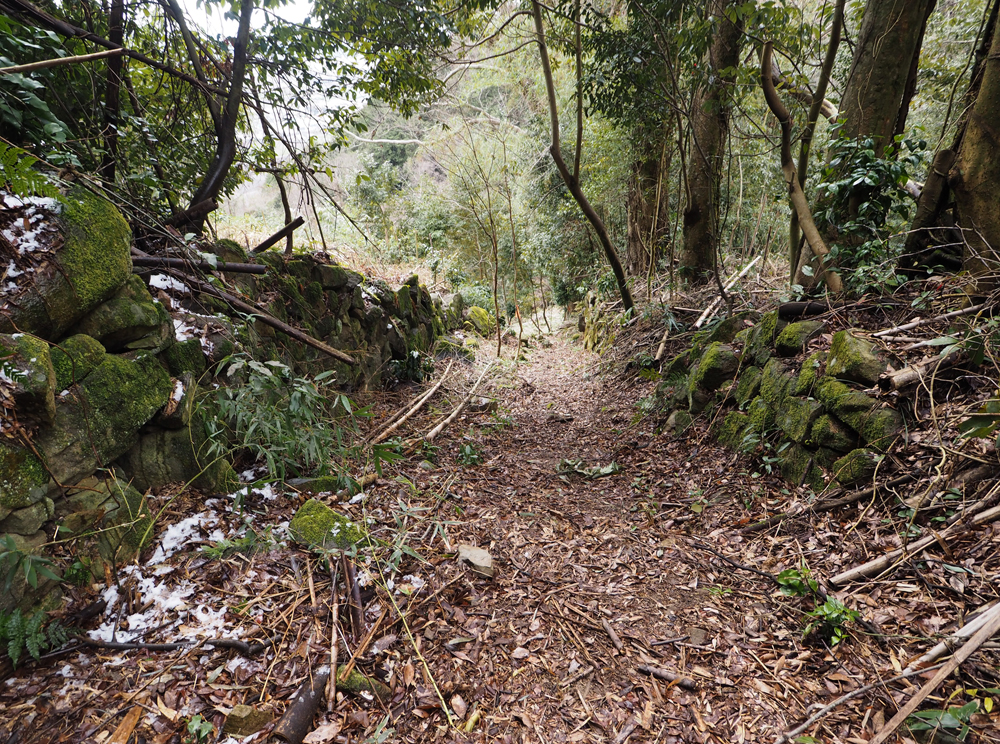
<point x="100" y="367"/>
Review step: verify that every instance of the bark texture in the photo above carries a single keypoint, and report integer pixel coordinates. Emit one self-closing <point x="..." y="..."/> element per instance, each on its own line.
<point x="647" y="210"/>
<point x="887" y="46"/>
<point x="975" y="177"/>
<point x="709" y="132"/>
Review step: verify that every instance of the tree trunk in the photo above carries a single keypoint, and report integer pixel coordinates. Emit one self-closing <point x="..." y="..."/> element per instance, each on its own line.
<point x="647" y="209"/>
<point x="975" y="177"/>
<point x="112" y="94"/>
<point x="709" y="132"/>
<point x="887" y="45"/>
<point x="225" y="149"/>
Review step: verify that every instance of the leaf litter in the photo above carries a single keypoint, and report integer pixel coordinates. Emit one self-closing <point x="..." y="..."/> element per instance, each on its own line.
<point x="631" y="607"/>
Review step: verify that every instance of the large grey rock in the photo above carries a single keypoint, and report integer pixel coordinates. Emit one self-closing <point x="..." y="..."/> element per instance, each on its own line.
<point x="86" y="270"/>
<point x="853" y="358"/>
<point x="130" y="320"/>
<point x="27" y="377"/>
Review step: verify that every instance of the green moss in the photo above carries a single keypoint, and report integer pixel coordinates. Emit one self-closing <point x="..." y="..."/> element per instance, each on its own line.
<point x="230" y="250"/>
<point x="313" y="293"/>
<point x="761" y="416"/>
<point x="762" y="337"/>
<point x="799" y="467"/>
<point x="677" y="423"/>
<point x="878" y="427"/>
<point x="853" y="358"/>
<point x="95" y="254"/>
<point x="854" y="467"/>
<point x="331" y="276"/>
<point x="405" y="302"/>
<point x="23" y="478"/>
<point x="74" y="358"/>
<point x="796" y="416"/>
<point x="830" y="433"/>
<point x="25" y="361"/>
<point x="451" y="346"/>
<point x="794" y="336"/>
<point x="300" y="269"/>
<point x="185" y="356"/>
<point x="733" y="428"/>
<point x="317" y="525"/>
<point x="717" y="365"/>
<point x="747" y="385"/>
<point x="775" y="382"/>
<point x="131" y="320"/>
<point x="357" y="683"/>
<point x="809" y="373"/>
<point x="481" y="321"/>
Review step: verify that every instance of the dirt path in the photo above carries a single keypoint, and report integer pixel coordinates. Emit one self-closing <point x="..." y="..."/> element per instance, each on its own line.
<point x="606" y="539"/>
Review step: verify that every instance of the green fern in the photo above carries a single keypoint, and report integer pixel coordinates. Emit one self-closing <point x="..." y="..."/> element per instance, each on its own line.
<point x="19" y="633"/>
<point x="17" y="173"/>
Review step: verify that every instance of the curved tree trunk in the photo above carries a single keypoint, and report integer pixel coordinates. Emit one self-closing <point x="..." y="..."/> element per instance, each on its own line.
<point x="709" y="132"/>
<point x="975" y="177"/>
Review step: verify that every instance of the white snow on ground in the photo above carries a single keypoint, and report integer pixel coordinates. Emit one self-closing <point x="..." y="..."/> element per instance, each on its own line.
<point x="168" y="283"/>
<point x="182" y="331"/>
<point x="179" y="534"/>
<point x="178" y="391"/>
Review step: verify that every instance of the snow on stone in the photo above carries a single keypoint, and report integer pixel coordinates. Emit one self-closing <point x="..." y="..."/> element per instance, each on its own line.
<point x="12" y="270"/>
<point x="168" y="283"/>
<point x="178" y="391"/>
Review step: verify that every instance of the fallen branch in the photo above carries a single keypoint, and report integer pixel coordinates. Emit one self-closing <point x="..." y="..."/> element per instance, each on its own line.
<point x="354" y="598"/>
<point x="831" y="503"/>
<point x="881" y="563"/>
<point x="615" y="640"/>
<point x="282" y="233"/>
<point x="796" y="195"/>
<point x="710" y="310"/>
<point x="916" y="372"/>
<point x="295" y="724"/>
<point x="47" y="63"/>
<point x="685" y="682"/>
<point x="242" y="647"/>
<point x="413" y="409"/>
<point x="183" y="263"/>
<point x="924" y="321"/>
<point x="827" y="709"/>
<point x="363" y="482"/>
<point x="968" y="648"/>
<point x="429" y="436"/>
<point x="263" y="316"/>
<point x="984" y="616"/>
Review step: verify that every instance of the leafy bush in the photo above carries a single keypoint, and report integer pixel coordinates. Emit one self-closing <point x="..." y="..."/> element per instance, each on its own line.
<point x="285" y="420"/>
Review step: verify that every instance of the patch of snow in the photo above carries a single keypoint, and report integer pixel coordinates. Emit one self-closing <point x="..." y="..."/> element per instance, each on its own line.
<point x="168" y="283"/>
<point x="358" y="498"/>
<point x="110" y="597"/>
<point x="182" y="331"/>
<point x="178" y="391"/>
<point x="179" y="534"/>
<point x="12" y="270"/>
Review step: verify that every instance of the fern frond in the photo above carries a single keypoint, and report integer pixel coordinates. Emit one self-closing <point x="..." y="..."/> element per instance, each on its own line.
<point x="18" y="174"/>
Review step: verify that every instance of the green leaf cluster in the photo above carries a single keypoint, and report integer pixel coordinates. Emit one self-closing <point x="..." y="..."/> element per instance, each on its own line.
<point x="19" y="633"/>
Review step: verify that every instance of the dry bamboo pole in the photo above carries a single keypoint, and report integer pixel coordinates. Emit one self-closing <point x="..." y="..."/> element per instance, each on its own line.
<point x="883" y="562"/>
<point x="56" y="61"/>
<point x="429" y="436"/>
<point x="962" y="634"/>
<point x="922" y="321"/>
<point x="413" y="409"/>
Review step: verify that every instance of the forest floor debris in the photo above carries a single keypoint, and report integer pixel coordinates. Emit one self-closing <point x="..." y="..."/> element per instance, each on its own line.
<point x="615" y="612"/>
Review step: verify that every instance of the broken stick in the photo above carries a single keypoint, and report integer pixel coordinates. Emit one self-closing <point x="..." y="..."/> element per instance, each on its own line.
<point x="429" y="436"/>
<point x="686" y="682"/>
<point x="414" y="408"/>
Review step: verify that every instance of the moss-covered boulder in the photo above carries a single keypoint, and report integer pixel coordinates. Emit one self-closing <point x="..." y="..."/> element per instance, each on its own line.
<point x="100" y="418"/>
<point x="799" y="466"/>
<point x="855" y="467"/>
<point x="747" y="386"/>
<point x="27" y="376"/>
<point x="129" y="321"/>
<point x="854" y="358"/>
<point x="761" y="339"/>
<point x="677" y="423"/>
<point x="23" y="478"/>
<point x="761" y="415"/>
<point x="317" y="525"/>
<point x="331" y="276"/>
<point x="796" y="416"/>
<point x="793" y="337"/>
<point x="733" y="429"/>
<point x="89" y="267"/>
<point x="163" y="456"/>
<point x="481" y="321"/>
<point x="830" y="433"/>
<point x="74" y="358"/>
<point x="176" y="414"/>
<point x="776" y="381"/>
<point x="185" y="356"/>
<point x="717" y="365"/>
<point x="808" y="374"/>
<point x="454" y="347"/>
<point x="878" y="427"/>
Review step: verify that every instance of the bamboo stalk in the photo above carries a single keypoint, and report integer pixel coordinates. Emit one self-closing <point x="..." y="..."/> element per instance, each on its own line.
<point x="414" y="408"/>
<point x="429" y="436"/>
<point x="46" y="63"/>
<point x="922" y="321"/>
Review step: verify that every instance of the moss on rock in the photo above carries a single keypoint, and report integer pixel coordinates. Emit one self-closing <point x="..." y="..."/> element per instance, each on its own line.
<point x="26" y="366"/>
<point x="733" y="429"/>
<point x="717" y="365"/>
<point x="131" y="320"/>
<point x="452" y="346"/>
<point x="799" y="467"/>
<point x="747" y="385"/>
<point x="794" y="337"/>
<point x="808" y="374"/>
<point x="853" y="358"/>
<point x="29" y="519"/>
<point x="761" y="339"/>
<point x="761" y="416"/>
<point x="317" y="525"/>
<point x="185" y="356"/>
<point x="481" y="321"/>
<point x="828" y="432"/>
<point x="796" y="416"/>
<point x="775" y="382"/>
<point x="677" y="423"/>
<point x="854" y="467"/>
<point x="23" y="479"/>
<point x="74" y="358"/>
